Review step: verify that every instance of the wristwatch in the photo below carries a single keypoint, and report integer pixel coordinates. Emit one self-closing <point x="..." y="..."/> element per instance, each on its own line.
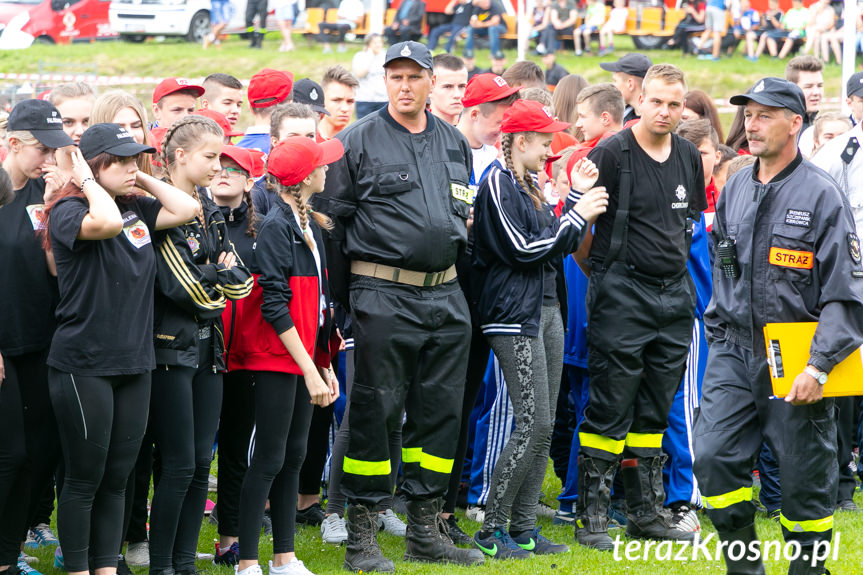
<point x="819" y="376"/>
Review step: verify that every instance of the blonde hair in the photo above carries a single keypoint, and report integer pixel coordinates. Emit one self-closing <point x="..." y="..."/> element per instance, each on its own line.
<point x="70" y="91"/>
<point x="303" y="211"/>
<point x="668" y="73"/>
<point x="185" y="133"/>
<point x="23" y="136"/>
<point x="526" y="182"/>
<point x="108" y="105"/>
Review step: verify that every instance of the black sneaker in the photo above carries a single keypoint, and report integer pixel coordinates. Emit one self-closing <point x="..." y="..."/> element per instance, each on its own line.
<point x="539" y="545"/>
<point x="458" y="536"/>
<point x="122" y="567"/>
<point x="228" y="557"/>
<point x="311" y="515"/>
<point x="267" y="523"/>
<point x="499" y="545"/>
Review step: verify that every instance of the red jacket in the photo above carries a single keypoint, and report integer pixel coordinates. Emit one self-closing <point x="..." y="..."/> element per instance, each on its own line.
<point x="286" y="294"/>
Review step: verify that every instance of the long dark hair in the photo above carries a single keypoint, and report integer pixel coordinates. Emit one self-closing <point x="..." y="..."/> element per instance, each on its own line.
<point x="71" y="189"/>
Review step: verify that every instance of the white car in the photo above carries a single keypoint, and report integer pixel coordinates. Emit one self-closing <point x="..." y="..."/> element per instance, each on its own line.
<point x="134" y="20"/>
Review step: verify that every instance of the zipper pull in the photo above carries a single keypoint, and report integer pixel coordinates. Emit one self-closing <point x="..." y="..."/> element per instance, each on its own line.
<point x="231" y="215"/>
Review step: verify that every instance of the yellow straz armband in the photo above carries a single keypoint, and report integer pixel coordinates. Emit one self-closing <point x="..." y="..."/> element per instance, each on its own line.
<point x="462" y="193"/>
<point x="791" y="259"/>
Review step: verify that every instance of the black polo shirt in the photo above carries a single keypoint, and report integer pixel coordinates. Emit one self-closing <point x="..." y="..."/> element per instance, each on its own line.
<point x="105" y="314"/>
<point x="663" y="195"/>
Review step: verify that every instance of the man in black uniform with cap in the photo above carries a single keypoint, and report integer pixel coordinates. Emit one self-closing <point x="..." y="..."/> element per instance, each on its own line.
<point x="628" y="74"/>
<point x="640" y="306"/>
<point x="787" y="251"/>
<point x="401" y="200"/>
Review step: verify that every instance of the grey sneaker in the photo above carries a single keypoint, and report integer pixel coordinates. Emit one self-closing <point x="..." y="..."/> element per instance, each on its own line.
<point x="334" y="530"/>
<point x="390" y="522"/>
<point x="138" y="554"/>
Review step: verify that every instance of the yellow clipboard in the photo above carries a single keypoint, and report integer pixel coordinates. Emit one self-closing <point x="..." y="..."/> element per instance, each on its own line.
<point x="788" y="353"/>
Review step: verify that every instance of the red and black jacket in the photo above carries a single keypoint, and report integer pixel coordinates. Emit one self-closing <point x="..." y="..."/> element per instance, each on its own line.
<point x="286" y="294"/>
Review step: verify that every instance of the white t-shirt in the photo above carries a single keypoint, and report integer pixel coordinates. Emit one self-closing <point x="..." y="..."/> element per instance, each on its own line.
<point x="850" y="176"/>
<point x="322" y="307"/>
<point x="482" y="159"/>
<point x="372" y="87"/>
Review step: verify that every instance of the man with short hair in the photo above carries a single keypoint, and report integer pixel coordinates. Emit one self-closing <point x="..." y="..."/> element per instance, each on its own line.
<point x="224" y="94"/>
<point x="640" y="305"/>
<point x="600" y="113"/>
<point x="525" y="74"/>
<point x="807" y="73"/>
<point x="448" y="86"/>
<point x="267" y="89"/>
<point x="795" y="258"/>
<point x="340" y="100"/>
<point x="174" y="98"/>
<point x="628" y="74"/>
<point x="401" y="207"/>
<point x="854" y="96"/>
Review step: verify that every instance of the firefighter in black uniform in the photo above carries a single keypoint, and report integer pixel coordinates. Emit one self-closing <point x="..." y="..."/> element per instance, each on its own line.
<point x="640" y="305"/>
<point x="786" y="252"/>
<point x="401" y="202"/>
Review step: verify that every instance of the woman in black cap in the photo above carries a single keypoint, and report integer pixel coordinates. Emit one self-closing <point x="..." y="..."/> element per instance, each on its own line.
<point x="30" y="447"/>
<point x="102" y="354"/>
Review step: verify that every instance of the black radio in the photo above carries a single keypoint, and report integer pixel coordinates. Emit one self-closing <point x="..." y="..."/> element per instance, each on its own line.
<point x="726" y="253"/>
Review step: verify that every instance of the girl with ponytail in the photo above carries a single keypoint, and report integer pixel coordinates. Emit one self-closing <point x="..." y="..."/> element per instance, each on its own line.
<point x="198" y="271"/>
<point x="286" y="337"/>
<point x="518" y="248"/>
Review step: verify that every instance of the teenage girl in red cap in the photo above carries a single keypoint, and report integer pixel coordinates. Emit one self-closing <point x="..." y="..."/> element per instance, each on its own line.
<point x="517" y="250"/>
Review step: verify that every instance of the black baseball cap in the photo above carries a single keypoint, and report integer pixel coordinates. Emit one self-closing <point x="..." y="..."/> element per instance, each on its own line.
<point x="310" y="93"/>
<point x="854" y="86"/>
<point x="412" y="51"/>
<point x="633" y="63"/>
<point x="776" y="93"/>
<point x="111" y="138"/>
<point x="41" y="119"/>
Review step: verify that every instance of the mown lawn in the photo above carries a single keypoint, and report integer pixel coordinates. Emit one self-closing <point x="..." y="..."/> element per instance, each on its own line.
<point x="321" y="558"/>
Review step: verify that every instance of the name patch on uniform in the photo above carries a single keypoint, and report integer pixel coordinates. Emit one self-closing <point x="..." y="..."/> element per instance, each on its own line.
<point x="37" y="215"/>
<point x="854" y="247"/>
<point x="135" y="230"/>
<point x="462" y="193"/>
<point x="791" y="258"/>
<point x="798" y="218"/>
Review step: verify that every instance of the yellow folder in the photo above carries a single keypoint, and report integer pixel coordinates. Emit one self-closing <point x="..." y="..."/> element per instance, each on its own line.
<point x="788" y="353"/>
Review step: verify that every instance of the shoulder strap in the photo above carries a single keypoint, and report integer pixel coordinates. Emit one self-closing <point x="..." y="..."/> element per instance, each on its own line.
<point x="621" y="217"/>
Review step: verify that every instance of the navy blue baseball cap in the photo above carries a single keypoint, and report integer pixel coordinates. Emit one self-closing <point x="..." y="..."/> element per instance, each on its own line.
<point x="42" y="120"/>
<point x="854" y="86"/>
<point x="111" y="138"/>
<point x="776" y="93"/>
<point x="411" y="51"/>
<point x="633" y="63"/>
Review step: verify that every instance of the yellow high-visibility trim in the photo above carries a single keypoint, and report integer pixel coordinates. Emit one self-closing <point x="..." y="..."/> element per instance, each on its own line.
<point x="602" y="443"/>
<point x="647" y="440"/>
<point x="358" y="467"/>
<point x="817" y="525"/>
<point x="728" y="499"/>
<point x="427" y="460"/>
<point x="411" y="454"/>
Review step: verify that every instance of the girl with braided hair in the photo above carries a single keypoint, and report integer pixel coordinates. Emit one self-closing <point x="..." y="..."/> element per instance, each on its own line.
<point x="285" y="338"/>
<point x="198" y="271"/>
<point x="518" y="249"/>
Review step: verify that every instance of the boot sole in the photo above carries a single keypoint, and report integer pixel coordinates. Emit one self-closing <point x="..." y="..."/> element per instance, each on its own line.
<point x="350" y="567"/>
<point x="442" y="561"/>
<point x="684" y="538"/>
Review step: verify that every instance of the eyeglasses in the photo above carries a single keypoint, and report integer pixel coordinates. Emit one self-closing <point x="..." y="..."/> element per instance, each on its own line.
<point x="232" y="173"/>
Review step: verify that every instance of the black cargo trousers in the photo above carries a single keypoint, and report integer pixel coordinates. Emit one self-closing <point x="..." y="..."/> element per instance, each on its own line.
<point x="411" y="351"/>
<point x="735" y="416"/>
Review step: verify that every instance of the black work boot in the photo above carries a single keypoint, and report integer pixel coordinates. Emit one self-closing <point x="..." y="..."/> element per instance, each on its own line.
<point x="427" y="536"/>
<point x="803" y="564"/>
<point x="646" y="517"/>
<point x="744" y="565"/>
<point x="362" y="550"/>
<point x="595" y="477"/>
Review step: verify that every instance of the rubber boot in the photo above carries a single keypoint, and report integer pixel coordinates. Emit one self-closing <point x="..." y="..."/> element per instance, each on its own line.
<point x="803" y="564"/>
<point x="645" y="515"/>
<point x="595" y="477"/>
<point x="745" y="565"/>
<point x="427" y="537"/>
<point x="362" y="550"/>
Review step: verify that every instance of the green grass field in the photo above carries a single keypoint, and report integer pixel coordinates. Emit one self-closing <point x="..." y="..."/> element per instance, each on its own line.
<point x="321" y="558"/>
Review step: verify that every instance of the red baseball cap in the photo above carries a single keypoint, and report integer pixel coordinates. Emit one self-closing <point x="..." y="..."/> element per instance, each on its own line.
<point x="170" y="85"/>
<point x="486" y="87"/>
<point x="220" y="119"/>
<point x="250" y="160"/>
<point x="270" y="87"/>
<point x="294" y="158"/>
<point x="530" y="116"/>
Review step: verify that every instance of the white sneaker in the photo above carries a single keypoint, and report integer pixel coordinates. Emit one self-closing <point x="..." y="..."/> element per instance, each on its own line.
<point x="253" y="570"/>
<point x="545" y="510"/>
<point x="685" y="519"/>
<point x="292" y="567"/>
<point x="390" y="522"/>
<point x="334" y="529"/>
<point x="475" y="513"/>
<point x="212" y="483"/>
<point x="138" y="554"/>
